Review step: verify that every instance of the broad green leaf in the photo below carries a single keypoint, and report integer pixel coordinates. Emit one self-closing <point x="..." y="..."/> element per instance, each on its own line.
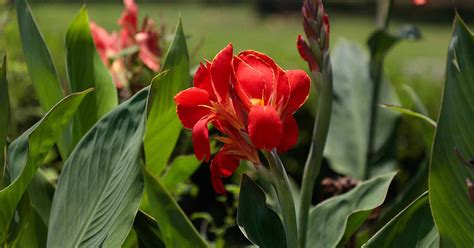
<point x="347" y="143"/>
<point x="41" y="68"/>
<point x="412" y="227"/>
<point x="100" y="186"/>
<point x="175" y="227"/>
<point x="4" y="116"/>
<point x="410" y="112"/>
<point x="29" y="150"/>
<point x="40" y="64"/>
<point x="180" y="170"/>
<point x="86" y="70"/>
<point x="329" y="220"/>
<point x="453" y="211"/>
<point x="260" y="224"/>
<point x="163" y="126"/>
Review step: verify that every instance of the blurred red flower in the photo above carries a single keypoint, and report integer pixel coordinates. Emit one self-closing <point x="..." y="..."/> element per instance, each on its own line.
<point x="118" y="51"/>
<point x="250" y="100"/>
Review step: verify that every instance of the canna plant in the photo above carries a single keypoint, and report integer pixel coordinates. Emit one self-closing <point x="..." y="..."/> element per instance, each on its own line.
<point x="117" y="175"/>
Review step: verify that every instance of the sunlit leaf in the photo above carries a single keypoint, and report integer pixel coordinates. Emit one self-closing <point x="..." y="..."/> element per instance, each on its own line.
<point x="100" y="186"/>
<point x="260" y="224"/>
<point x="29" y="150"/>
<point x="329" y="220"/>
<point x="86" y="70"/>
<point x="40" y="65"/>
<point x="180" y="170"/>
<point x="163" y="126"/>
<point x="453" y="210"/>
<point x="410" y="112"/>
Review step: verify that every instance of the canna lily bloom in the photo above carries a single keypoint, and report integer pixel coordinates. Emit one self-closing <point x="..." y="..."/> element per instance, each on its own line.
<point x="114" y="49"/>
<point x="250" y="100"/>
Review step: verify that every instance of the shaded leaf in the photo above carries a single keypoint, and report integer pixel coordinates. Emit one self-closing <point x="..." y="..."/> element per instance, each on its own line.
<point x="329" y="220"/>
<point x="148" y="232"/>
<point x="260" y="224"/>
<point x="175" y="227"/>
<point x="453" y="211"/>
<point x="86" y="70"/>
<point x="4" y="116"/>
<point x="29" y="150"/>
<point x="163" y="126"/>
<point x="347" y="144"/>
<point x="101" y="181"/>
<point x="412" y="227"/>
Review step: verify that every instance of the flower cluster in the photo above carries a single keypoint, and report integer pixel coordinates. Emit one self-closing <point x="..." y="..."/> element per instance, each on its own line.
<point x="250" y="100"/>
<point x="121" y="52"/>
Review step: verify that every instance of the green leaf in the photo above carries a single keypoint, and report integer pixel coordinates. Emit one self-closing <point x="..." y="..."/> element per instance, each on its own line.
<point x="180" y="170"/>
<point x="40" y="64"/>
<point x="148" y="232"/>
<point x="329" y="220"/>
<point x="41" y="192"/>
<point x="29" y="150"/>
<point x="163" y="126"/>
<point x="453" y="211"/>
<point x="260" y="224"/>
<point x="4" y="116"/>
<point x="175" y="227"/>
<point x="101" y="181"/>
<point x="86" y="70"/>
<point x="34" y="236"/>
<point x="44" y="77"/>
<point x="412" y="227"/>
<point x="410" y="112"/>
<point x="350" y="118"/>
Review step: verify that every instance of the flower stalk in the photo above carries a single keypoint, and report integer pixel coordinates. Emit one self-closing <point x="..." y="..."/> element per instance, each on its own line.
<point x="285" y="198"/>
<point x="316" y="52"/>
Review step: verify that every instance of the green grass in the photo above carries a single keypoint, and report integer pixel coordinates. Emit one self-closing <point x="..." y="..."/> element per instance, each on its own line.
<point x="420" y="64"/>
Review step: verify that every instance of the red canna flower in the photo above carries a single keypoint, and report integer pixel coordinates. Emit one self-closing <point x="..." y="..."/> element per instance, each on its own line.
<point x="250" y="100"/>
<point x="114" y="49"/>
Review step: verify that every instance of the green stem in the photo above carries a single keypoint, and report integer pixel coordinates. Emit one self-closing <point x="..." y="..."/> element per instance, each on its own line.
<point x="285" y="198"/>
<point x="315" y="156"/>
<point x="376" y="67"/>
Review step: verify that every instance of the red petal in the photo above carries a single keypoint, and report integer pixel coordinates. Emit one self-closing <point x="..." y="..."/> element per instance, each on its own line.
<point x="224" y="165"/>
<point x="221" y="68"/>
<point x="300" y="84"/>
<point x="190" y="106"/>
<point x="249" y="82"/>
<point x="266" y="70"/>
<point x="307" y="54"/>
<point x="129" y="21"/>
<point x="101" y="40"/>
<point x="265" y="127"/>
<point x="147" y="56"/>
<point x="217" y="185"/>
<point x="202" y="79"/>
<point x="290" y="134"/>
<point x="202" y="148"/>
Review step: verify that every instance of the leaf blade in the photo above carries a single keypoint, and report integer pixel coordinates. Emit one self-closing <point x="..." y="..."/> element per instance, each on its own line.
<point x="163" y="126"/>
<point x="101" y="181"/>
<point x="329" y="219"/>
<point x="260" y="224"/>
<point x="86" y="70"/>
<point x="27" y="152"/>
<point x="453" y="211"/>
